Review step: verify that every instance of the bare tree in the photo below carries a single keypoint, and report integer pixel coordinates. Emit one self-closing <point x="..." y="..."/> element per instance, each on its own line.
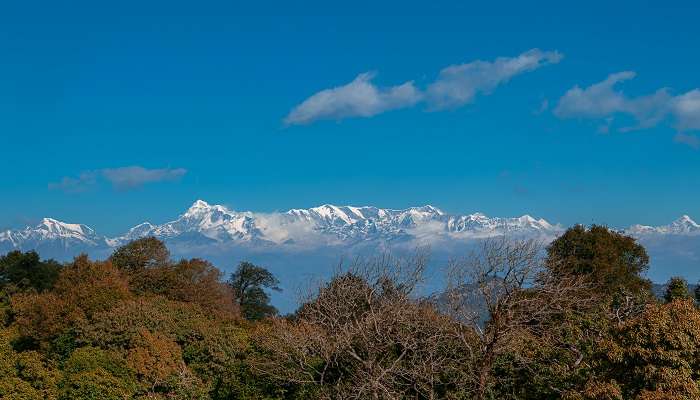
<point x="366" y="335"/>
<point x="505" y="294"/>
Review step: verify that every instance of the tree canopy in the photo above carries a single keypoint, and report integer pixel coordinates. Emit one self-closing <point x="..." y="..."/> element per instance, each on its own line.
<point x="26" y="270"/>
<point x="612" y="261"/>
<point x="248" y="283"/>
<point x="676" y="289"/>
<point x="140" y="254"/>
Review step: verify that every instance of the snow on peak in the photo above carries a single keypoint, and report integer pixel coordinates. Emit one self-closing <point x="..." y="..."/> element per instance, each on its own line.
<point x="684" y="224"/>
<point x="50" y="231"/>
<point x="541" y="223"/>
<point x="681" y="226"/>
<point x="55" y="227"/>
<point x="141" y="229"/>
<point x="198" y="206"/>
<point x="428" y="209"/>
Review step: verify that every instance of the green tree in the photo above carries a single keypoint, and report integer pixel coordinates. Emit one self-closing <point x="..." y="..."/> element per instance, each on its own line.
<point x="677" y="288"/>
<point x="654" y="355"/>
<point x="612" y="261"/>
<point x="25" y="375"/>
<point x="26" y="270"/>
<point x="141" y="254"/>
<point x="249" y="283"/>
<point x="92" y="373"/>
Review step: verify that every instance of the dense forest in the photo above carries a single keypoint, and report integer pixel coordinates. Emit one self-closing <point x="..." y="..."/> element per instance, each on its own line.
<point x="575" y="319"/>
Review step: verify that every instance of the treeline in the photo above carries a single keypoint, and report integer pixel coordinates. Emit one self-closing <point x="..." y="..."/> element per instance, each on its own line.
<point x="576" y="321"/>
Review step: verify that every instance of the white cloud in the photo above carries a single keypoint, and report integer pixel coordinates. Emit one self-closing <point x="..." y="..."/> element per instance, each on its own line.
<point x="456" y="85"/>
<point x="298" y="233"/>
<point x="459" y="84"/>
<point x="686" y="109"/>
<point x="603" y="101"/>
<point x="596" y="101"/>
<point x="122" y="178"/>
<point x="359" y="98"/>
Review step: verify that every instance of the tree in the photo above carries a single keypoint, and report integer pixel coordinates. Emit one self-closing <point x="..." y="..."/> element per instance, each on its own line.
<point x="82" y="289"/>
<point x="516" y="308"/>
<point x="26" y="270"/>
<point x="93" y="373"/>
<point x="25" y="375"/>
<point x="654" y="355"/>
<point x="676" y="288"/>
<point x="611" y="261"/>
<point x="192" y="281"/>
<point x="249" y="283"/>
<point x="141" y="254"/>
<point x="156" y="336"/>
<point x="364" y="335"/>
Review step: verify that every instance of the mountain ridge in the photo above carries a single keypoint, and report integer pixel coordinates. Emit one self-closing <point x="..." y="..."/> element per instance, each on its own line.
<point x="203" y="224"/>
<point x="335" y="223"/>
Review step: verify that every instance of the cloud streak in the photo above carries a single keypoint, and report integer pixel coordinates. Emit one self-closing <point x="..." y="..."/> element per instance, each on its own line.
<point x="123" y="178"/>
<point x="455" y="86"/>
<point x="603" y="100"/>
<point x="359" y="98"/>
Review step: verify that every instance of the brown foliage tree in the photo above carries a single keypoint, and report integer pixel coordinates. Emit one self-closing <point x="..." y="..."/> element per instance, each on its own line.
<point x="193" y="281"/>
<point x="140" y="254"/>
<point x="82" y="289"/>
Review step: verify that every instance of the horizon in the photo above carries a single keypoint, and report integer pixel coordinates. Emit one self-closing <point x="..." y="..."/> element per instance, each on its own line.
<point x="327" y="234"/>
<point x="254" y="212"/>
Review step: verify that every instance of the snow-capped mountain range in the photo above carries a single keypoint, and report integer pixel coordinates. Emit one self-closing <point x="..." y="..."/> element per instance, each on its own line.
<point x="323" y="225"/>
<point x="51" y="230"/>
<point x="327" y="225"/>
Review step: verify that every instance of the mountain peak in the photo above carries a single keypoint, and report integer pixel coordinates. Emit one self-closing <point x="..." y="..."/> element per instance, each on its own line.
<point x="201" y="207"/>
<point x="46" y="221"/>
<point x="198" y="204"/>
<point x="686" y="219"/>
<point x="430" y="209"/>
<point x="684" y="224"/>
<point x="681" y="226"/>
<point x="59" y="227"/>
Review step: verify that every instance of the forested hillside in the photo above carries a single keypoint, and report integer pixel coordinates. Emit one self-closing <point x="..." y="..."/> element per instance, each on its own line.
<point x="577" y="321"/>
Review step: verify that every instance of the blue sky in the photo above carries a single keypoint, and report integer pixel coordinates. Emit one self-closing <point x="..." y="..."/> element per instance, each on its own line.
<point x="113" y="114"/>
